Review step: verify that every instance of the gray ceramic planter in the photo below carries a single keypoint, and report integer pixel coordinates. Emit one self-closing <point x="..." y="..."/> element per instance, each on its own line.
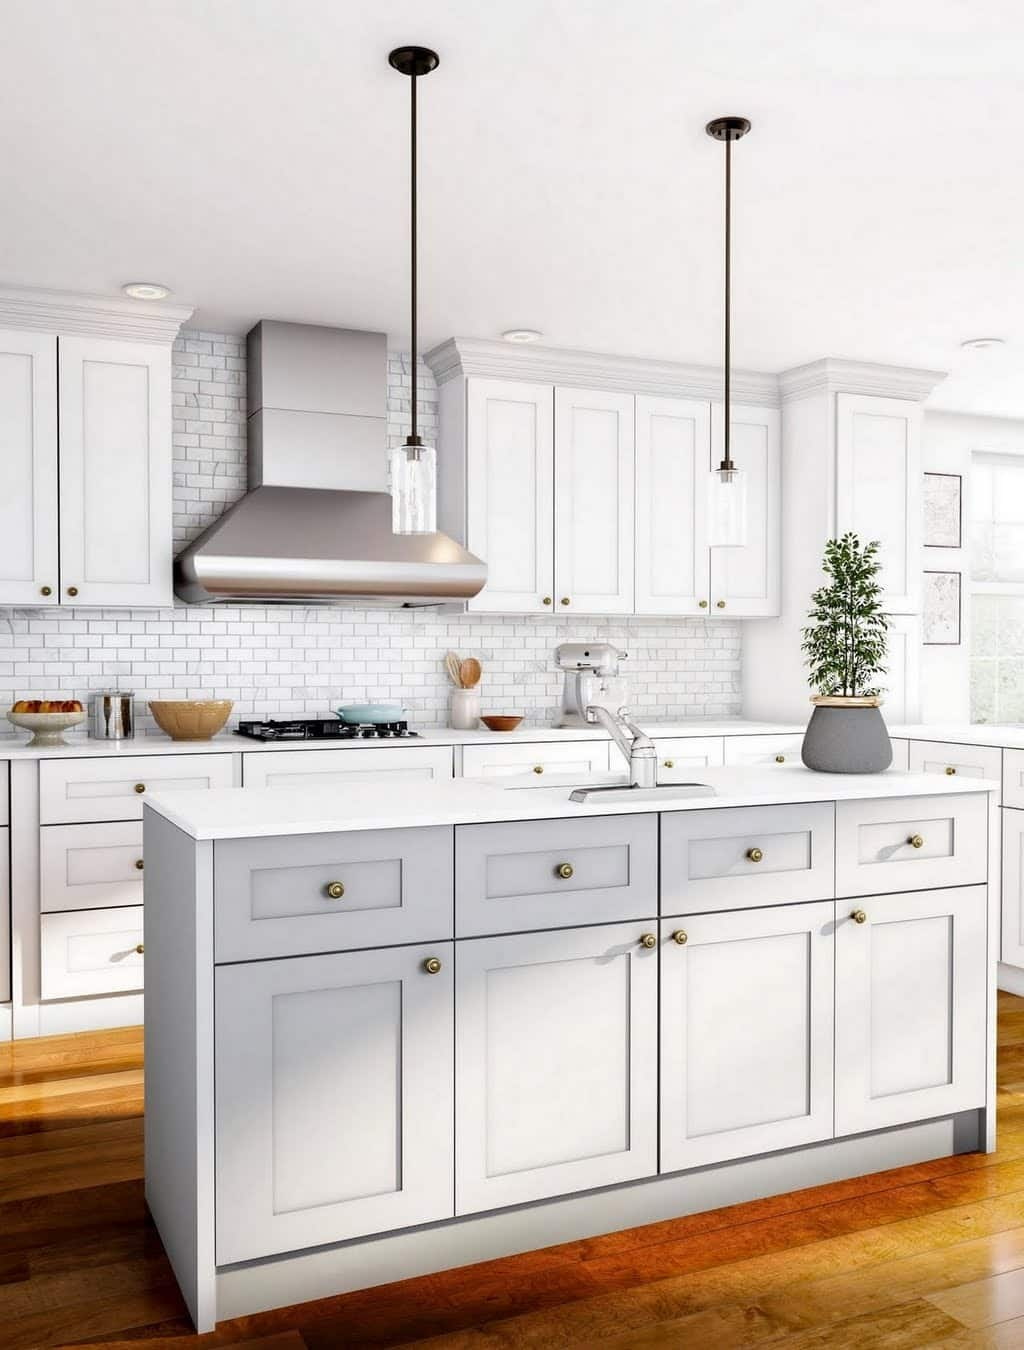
<point x="846" y="736"/>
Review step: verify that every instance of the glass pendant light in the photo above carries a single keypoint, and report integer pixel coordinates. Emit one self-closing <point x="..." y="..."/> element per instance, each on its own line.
<point x="413" y="465"/>
<point x="727" y="485"/>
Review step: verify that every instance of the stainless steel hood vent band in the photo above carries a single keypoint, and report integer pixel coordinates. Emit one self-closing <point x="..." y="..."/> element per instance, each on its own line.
<point x="315" y="525"/>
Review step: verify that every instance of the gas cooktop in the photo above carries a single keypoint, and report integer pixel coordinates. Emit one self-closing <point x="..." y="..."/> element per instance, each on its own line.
<point x="322" y="729"/>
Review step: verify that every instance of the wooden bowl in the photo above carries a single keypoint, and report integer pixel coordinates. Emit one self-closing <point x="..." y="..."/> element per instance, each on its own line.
<point x="500" y="722"/>
<point x="191" y="719"/>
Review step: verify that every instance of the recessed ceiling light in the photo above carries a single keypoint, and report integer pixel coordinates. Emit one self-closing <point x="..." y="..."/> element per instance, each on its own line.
<point x="146" y="290"/>
<point x="522" y="335"/>
<point x="981" y="344"/>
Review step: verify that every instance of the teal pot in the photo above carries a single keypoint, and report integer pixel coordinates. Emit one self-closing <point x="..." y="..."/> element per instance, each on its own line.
<point x="846" y="735"/>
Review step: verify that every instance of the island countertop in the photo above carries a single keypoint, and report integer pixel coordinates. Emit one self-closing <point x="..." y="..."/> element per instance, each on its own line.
<point x="242" y="813"/>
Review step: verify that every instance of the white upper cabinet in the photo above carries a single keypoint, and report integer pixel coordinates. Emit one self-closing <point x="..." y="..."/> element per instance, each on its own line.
<point x="878" y="492"/>
<point x="745" y="581"/>
<point x="28" y="453"/>
<point x="510" y="493"/>
<point x="673" y="440"/>
<point x="115" y="472"/>
<point x="594" y="462"/>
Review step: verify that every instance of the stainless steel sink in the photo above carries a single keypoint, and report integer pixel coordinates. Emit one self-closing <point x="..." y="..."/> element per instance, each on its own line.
<point x="594" y="796"/>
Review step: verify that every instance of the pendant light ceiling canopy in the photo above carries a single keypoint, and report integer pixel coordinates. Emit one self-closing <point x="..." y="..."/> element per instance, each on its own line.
<point x="727" y="488"/>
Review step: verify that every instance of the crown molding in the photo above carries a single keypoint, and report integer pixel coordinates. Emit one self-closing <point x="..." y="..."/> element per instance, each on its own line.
<point x="834" y="376"/>
<point x="628" y="374"/>
<point x="108" y="316"/>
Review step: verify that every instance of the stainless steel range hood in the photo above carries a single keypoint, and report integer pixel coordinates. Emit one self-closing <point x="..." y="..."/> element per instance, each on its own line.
<point x="315" y="525"/>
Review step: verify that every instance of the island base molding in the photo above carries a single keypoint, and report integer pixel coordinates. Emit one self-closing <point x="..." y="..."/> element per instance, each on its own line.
<point x="258" y="1286"/>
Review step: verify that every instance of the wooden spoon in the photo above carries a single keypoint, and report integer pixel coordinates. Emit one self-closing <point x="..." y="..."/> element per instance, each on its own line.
<point x="470" y="672"/>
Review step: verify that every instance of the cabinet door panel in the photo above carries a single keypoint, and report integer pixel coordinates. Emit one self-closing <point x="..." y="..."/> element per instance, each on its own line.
<point x="746" y="1033"/>
<point x="763" y="749"/>
<point x="334" y="1098"/>
<point x="911" y="842"/>
<point x="900" y="685"/>
<point x="878" y="488"/>
<point x="359" y="764"/>
<point x="1012" y="947"/>
<point x="910" y="1007"/>
<point x="673" y="436"/>
<point x="28" y="453"/>
<point x="745" y="581"/>
<point x="556" y="1064"/>
<point x="951" y="760"/>
<point x="510" y="487"/>
<point x="594" y="490"/>
<point x="96" y="866"/>
<point x="115" y="472"/>
<point x="679" y="755"/>
<point x="90" y="951"/>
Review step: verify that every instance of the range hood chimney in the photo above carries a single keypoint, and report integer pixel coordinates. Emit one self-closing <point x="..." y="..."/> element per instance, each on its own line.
<point x="315" y="524"/>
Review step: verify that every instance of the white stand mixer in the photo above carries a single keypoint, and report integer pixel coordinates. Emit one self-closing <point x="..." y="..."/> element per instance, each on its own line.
<point x="592" y="679"/>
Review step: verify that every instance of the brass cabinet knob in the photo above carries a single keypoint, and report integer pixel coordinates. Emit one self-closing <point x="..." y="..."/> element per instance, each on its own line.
<point x="780" y="759"/>
<point x="72" y="590"/>
<point x="648" y="940"/>
<point x="139" y="948"/>
<point x="668" y="763"/>
<point x="335" y="890"/>
<point x="916" y="841"/>
<point x="754" y="854"/>
<point x="703" y="604"/>
<point x="858" y="916"/>
<point x="546" y="600"/>
<point x="680" y="936"/>
<point x="140" y="787"/>
<point x="564" y="870"/>
<point x="139" y="864"/>
<point x="538" y="768"/>
<point x="950" y="770"/>
<point x="432" y="965"/>
<point x="564" y="600"/>
<point x="45" y="590"/>
<point x="720" y="604"/>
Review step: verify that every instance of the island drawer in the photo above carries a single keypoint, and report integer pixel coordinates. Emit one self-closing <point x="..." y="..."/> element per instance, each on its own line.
<point x="523" y="875"/>
<point x="967" y="761"/>
<point x="92" y="951"/>
<point x="90" y="866"/>
<point x="300" y="894"/>
<point x="1013" y="778"/>
<point x="911" y="843"/>
<point x="740" y="857"/>
<point x="76" y="791"/>
<point x="582" y="756"/>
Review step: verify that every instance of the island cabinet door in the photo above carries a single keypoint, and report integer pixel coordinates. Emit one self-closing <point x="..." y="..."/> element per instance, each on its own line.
<point x="556" y="1064"/>
<point x="334" y="1098"/>
<point x="911" y="973"/>
<point x="746" y="1033"/>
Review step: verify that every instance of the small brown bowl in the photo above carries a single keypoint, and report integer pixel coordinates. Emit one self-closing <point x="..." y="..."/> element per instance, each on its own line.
<point x="191" y="719"/>
<point x="494" y="722"/>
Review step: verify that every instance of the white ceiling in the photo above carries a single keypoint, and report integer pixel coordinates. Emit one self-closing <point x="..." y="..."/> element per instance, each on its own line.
<point x="252" y="154"/>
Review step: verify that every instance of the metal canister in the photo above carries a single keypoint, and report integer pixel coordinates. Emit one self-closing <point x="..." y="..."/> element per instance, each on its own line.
<point x="113" y="715"/>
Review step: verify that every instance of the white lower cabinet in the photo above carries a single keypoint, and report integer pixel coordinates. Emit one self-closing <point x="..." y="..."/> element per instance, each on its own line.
<point x="90" y="951"/>
<point x="334" y="1092"/>
<point x="556" y="1063"/>
<point x="910" y="1006"/>
<point x="1012" y="943"/>
<point x="746" y="1033"/>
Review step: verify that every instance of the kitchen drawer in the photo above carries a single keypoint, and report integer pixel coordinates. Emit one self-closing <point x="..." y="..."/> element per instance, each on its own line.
<point x="92" y="951"/>
<point x="911" y="843"/>
<point x="763" y="749"/>
<point x="524" y="875"/>
<point x="357" y="764"/>
<point x="678" y="756"/>
<point x="740" y="857"/>
<point x="74" y="791"/>
<point x="1013" y="778"/>
<point x="95" y="866"/>
<point x="5" y="809"/>
<point x="969" y="761"/>
<point x="582" y="757"/>
<point x="278" y="896"/>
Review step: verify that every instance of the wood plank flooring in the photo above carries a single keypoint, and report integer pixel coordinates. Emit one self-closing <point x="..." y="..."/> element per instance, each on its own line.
<point x="930" y="1255"/>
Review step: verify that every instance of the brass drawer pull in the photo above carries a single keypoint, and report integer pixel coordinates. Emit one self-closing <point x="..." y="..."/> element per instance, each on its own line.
<point x="668" y="763"/>
<point x="72" y="591"/>
<point x="139" y="948"/>
<point x="916" y="841"/>
<point x="950" y="770"/>
<point x="648" y="940"/>
<point x="335" y="890"/>
<point x="858" y="916"/>
<point x="754" y="854"/>
<point x="432" y="965"/>
<point x="546" y="600"/>
<point x="564" y="600"/>
<point x="680" y="936"/>
<point x="564" y="870"/>
<point x="538" y="768"/>
<point x="139" y="864"/>
<point x="45" y="590"/>
<point x="720" y="604"/>
<point x="703" y="604"/>
<point x="140" y="787"/>
<point x="780" y="759"/>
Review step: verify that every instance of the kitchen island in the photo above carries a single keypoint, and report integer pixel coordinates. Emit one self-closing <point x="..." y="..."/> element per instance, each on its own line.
<point x="402" y="1027"/>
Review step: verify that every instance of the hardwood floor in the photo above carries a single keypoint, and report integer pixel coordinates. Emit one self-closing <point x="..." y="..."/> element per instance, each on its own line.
<point x="930" y="1255"/>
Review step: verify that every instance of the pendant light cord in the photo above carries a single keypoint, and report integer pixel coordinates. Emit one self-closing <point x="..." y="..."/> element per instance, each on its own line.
<point x="727" y="462"/>
<point x="413" y="439"/>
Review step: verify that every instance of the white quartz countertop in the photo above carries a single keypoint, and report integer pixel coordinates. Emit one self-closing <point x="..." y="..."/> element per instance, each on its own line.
<point x="964" y="733"/>
<point x="244" y="813"/>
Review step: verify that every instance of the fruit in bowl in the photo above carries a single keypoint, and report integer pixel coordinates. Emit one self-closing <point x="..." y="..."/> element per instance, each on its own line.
<point x="47" y="718"/>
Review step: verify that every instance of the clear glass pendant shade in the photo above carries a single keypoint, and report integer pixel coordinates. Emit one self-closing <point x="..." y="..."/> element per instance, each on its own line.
<point x="413" y="489"/>
<point x="727" y="508"/>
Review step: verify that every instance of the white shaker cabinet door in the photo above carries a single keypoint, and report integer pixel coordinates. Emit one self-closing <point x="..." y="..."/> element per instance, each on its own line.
<point x="28" y="456"/>
<point x="745" y="581"/>
<point x="673" y="438"/>
<point x="353" y="766"/>
<point x="334" y="1098"/>
<point x="509" y="494"/>
<point x="556" y="1064"/>
<point x="911" y="975"/>
<point x="594" y="492"/>
<point x="115" y="473"/>
<point x="878" y="488"/>
<point x="1012" y="945"/>
<point x="746" y="1033"/>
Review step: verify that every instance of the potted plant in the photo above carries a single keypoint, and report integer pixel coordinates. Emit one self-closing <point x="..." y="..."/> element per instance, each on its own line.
<point x="845" y="645"/>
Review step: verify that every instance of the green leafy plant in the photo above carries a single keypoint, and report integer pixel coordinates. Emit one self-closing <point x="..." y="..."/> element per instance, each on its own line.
<point x="847" y="634"/>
